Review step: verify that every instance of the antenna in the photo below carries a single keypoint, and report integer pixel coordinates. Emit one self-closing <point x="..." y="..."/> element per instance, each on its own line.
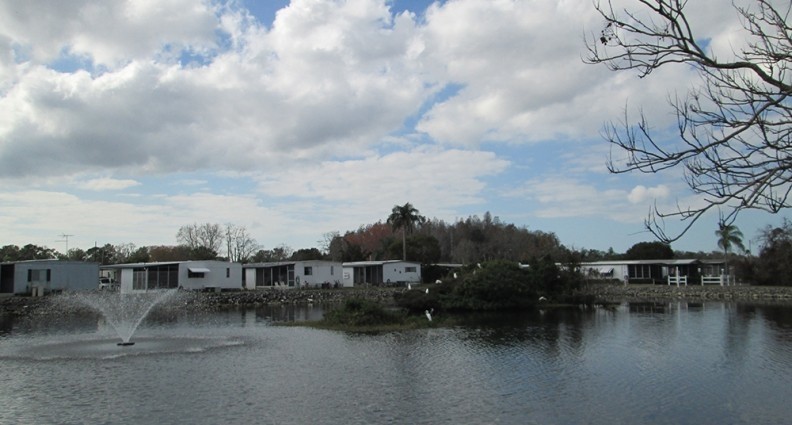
<point x="65" y="239"/>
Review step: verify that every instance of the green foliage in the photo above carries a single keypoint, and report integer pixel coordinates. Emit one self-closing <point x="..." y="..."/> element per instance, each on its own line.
<point x="417" y="300"/>
<point x="496" y="285"/>
<point x="650" y="251"/>
<point x="306" y="254"/>
<point x="422" y="248"/>
<point x="729" y="236"/>
<point x="27" y="252"/>
<point x="361" y="313"/>
<point x="774" y="265"/>
<point x="405" y="217"/>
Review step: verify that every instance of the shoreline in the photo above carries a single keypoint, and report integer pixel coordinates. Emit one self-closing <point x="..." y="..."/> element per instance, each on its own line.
<point x="606" y="292"/>
<point x="599" y="293"/>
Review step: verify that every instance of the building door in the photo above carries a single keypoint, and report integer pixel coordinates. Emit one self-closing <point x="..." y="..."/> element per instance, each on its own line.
<point x="7" y="279"/>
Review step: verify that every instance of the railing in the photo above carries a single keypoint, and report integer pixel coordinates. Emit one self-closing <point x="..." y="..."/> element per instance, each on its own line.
<point x="677" y="280"/>
<point x="720" y="280"/>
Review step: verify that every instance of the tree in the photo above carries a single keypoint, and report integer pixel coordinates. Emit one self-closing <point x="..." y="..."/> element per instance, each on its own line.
<point x="9" y="253"/>
<point x="76" y="254"/>
<point x="206" y="235"/>
<point x="735" y="145"/>
<point x="649" y="251"/>
<point x="423" y="248"/>
<point x="774" y="265"/>
<point x="405" y="217"/>
<point x="169" y="253"/>
<point x="729" y="236"/>
<point x="140" y="255"/>
<point x="306" y="254"/>
<point x="240" y="246"/>
<point x="35" y="252"/>
<point x="101" y="254"/>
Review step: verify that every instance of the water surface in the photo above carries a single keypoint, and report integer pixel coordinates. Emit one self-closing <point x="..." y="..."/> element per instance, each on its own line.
<point x="666" y="363"/>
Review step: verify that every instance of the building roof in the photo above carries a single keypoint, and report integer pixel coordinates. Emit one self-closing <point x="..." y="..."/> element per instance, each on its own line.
<point x="670" y="262"/>
<point x="377" y="263"/>
<point x="160" y="263"/>
<point x="287" y="263"/>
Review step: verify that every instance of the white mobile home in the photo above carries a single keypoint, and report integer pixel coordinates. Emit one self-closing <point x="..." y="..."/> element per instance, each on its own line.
<point x="389" y="273"/>
<point x="39" y="276"/>
<point x="194" y="275"/>
<point x="292" y="274"/>
<point x="685" y="271"/>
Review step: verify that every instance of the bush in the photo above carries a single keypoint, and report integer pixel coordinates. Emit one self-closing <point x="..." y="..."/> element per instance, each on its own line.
<point x="359" y="313"/>
<point x="496" y="285"/>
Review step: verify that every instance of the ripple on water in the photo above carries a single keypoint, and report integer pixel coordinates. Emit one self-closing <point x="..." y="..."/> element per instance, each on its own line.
<point x="107" y="349"/>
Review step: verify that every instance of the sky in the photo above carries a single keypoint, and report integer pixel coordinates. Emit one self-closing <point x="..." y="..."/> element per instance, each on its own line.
<point x="121" y="121"/>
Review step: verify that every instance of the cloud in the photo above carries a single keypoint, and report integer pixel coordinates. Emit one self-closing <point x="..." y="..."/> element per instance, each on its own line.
<point x="642" y="194"/>
<point x="102" y="184"/>
<point x="439" y="180"/>
<point x="332" y="113"/>
<point x="109" y="33"/>
<point x="309" y="89"/>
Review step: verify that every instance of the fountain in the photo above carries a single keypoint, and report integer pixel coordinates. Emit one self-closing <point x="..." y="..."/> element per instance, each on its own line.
<point x="124" y="312"/>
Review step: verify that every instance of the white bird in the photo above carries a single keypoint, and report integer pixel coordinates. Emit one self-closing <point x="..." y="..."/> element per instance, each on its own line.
<point x="427" y="290"/>
<point x="409" y="286"/>
<point x="429" y="314"/>
<point x="455" y="275"/>
<point x="478" y="264"/>
<point x="542" y="299"/>
<point x="438" y="281"/>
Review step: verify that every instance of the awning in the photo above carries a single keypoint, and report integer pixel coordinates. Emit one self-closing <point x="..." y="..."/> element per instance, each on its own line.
<point x="198" y="269"/>
<point x="605" y="270"/>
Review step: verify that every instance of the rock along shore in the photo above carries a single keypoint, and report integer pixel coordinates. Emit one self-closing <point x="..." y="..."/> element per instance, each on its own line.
<point x="743" y="293"/>
<point x="600" y="292"/>
<point x="30" y="306"/>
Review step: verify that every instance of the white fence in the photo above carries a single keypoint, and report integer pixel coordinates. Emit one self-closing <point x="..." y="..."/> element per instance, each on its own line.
<point x="720" y="280"/>
<point x="677" y="280"/>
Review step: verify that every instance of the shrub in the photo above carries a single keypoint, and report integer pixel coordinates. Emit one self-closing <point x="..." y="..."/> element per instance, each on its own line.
<point x="359" y="312"/>
<point x="496" y="285"/>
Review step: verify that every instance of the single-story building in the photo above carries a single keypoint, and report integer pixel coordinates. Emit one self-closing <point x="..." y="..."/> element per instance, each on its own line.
<point x="39" y="276"/>
<point x="682" y="271"/>
<point x="292" y="274"/>
<point x="195" y="275"/>
<point x="390" y="273"/>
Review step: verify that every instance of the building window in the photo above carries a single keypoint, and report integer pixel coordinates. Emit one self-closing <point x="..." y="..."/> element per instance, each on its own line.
<point x="228" y="271"/>
<point x="640" y="271"/>
<point x="139" y="278"/>
<point x="308" y="271"/>
<point x="195" y="275"/>
<point x="410" y="269"/>
<point x="332" y="270"/>
<point x="39" y="275"/>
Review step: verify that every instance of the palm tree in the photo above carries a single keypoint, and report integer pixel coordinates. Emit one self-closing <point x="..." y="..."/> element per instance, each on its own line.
<point x="729" y="236"/>
<point x="405" y="217"/>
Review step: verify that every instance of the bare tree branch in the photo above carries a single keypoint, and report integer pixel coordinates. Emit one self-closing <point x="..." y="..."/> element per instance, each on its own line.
<point x="735" y="139"/>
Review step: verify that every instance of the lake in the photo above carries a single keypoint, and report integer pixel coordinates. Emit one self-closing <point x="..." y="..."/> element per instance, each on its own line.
<point x="640" y="363"/>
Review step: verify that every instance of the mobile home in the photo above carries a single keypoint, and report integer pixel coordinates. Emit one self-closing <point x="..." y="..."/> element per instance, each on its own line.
<point x="388" y="273"/>
<point x="292" y="274"/>
<point x="194" y="275"/>
<point x="40" y="276"/>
